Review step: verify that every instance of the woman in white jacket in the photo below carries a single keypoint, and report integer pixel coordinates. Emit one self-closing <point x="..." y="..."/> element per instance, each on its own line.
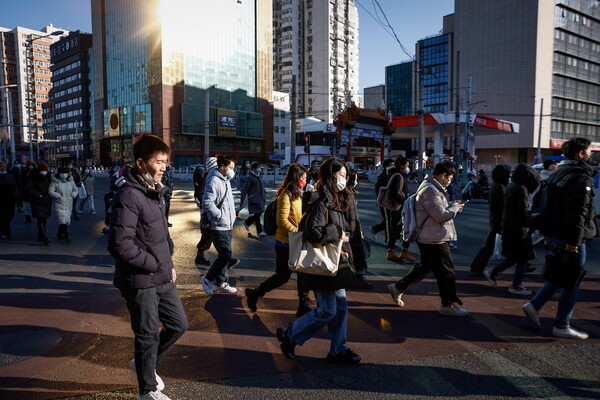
<point x="63" y="190"/>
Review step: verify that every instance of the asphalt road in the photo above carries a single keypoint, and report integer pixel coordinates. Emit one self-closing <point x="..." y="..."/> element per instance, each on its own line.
<point x="64" y="330"/>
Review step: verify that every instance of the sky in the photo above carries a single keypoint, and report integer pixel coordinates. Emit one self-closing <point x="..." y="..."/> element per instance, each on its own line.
<point x="411" y="20"/>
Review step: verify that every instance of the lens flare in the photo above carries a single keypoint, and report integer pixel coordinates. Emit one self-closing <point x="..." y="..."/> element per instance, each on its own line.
<point x="385" y="325"/>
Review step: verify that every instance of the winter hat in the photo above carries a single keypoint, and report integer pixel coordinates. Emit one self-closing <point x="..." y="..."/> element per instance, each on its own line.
<point x="211" y="163"/>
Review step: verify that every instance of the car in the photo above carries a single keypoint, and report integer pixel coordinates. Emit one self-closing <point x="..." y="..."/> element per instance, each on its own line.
<point x="360" y="171"/>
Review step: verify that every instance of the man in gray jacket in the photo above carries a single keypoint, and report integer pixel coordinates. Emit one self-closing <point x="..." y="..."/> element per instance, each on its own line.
<point x="217" y="203"/>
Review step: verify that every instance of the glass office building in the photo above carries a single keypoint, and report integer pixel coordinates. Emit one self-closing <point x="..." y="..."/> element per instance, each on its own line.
<point x="399" y="88"/>
<point x="433" y="60"/>
<point x="164" y="59"/>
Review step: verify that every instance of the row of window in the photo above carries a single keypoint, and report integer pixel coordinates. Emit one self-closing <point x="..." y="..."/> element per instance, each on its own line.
<point x="67" y="103"/>
<point x="68" y="79"/>
<point x="72" y="113"/>
<point x="41" y="63"/>
<point x="41" y="55"/>
<point x="70" y="90"/>
<point x="69" y="125"/>
<point x="67" y="67"/>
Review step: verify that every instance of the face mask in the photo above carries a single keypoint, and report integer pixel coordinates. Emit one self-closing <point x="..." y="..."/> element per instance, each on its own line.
<point x="407" y="170"/>
<point x="2" y="172"/>
<point x="87" y="171"/>
<point x="17" y="165"/>
<point x="30" y="167"/>
<point x="43" y="173"/>
<point x="63" y="176"/>
<point x="302" y="184"/>
<point x="340" y="184"/>
<point x="69" y="166"/>
<point x="230" y="174"/>
<point x="248" y="165"/>
<point x="258" y="171"/>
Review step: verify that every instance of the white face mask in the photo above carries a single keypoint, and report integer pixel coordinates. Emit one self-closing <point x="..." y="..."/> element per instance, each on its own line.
<point x="340" y="184"/>
<point x="230" y="174"/>
<point x="406" y="170"/>
<point x="43" y="173"/>
<point x="247" y="165"/>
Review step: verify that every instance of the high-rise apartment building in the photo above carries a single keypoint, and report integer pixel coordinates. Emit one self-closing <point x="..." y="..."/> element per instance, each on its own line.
<point x="69" y="111"/>
<point x="315" y="48"/>
<point x="281" y="121"/>
<point x="26" y="63"/>
<point x="182" y="69"/>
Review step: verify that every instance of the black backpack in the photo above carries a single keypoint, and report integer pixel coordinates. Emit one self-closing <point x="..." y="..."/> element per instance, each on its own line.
<point x="545" y="206"/>
<point x="270" y="220"/>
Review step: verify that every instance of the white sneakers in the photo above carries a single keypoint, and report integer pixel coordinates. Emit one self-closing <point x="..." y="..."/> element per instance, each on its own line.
<point x="519" y="290"/>
<point x="160" y="384"/>
<point x="210" y="288"/>
<point x="156" y="395"/>
<point x="396" y="294"/>
<point x="453" y="311"/>
<point x="569" y="333"/>
<point x="491" y="278"/>
<point x="531" y="313"/>
<point x="262" y="234"/>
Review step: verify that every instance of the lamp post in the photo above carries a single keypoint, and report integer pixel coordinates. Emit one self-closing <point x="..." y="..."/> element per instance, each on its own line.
<point x="31" y="81"/>
<point x="11" y="132"/>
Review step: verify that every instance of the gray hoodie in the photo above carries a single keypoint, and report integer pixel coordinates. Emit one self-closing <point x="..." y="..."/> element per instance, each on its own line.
<point x="218" y="186"/>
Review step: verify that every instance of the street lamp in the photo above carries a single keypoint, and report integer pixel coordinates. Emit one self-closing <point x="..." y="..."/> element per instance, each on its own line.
<point x="30" y="70"/>
<point x="11" y="132"/>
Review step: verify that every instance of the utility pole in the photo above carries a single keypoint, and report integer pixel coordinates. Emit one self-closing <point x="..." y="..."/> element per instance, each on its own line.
<point x="420" y="112"/>
<point x="538" y="155"/>
<point x="29" y="76"/>
<point x="467" y="131"/>
<point x="293" y="122"/>
<point x="456" y="146"/>
<point x="206" y="123"/>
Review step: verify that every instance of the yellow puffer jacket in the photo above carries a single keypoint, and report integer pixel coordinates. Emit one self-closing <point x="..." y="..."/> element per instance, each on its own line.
<point x="289" y="214"/>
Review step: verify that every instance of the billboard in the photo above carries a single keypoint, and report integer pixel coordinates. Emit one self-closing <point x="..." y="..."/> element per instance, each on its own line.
<point x="227" y="123"/>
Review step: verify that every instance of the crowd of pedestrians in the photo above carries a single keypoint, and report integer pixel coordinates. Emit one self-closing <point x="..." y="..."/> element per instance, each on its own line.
<point x="320" y="202"/>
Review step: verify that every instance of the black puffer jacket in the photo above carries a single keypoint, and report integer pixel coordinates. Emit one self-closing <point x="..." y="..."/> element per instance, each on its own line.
<point x="500" y="177"/>
<point x="137" y="238"/>
<point x="577" y="222"/>
<point x="516" y="238"/>
<point x="323" y="224"/>
<point x="37" y="190"/>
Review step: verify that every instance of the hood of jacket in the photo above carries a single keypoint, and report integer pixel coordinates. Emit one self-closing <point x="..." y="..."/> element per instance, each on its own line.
<point x="501" y="174"/>
<point x="134" y="180"/>
<point x="569" y="166"/>
<point x="527" y="176"/>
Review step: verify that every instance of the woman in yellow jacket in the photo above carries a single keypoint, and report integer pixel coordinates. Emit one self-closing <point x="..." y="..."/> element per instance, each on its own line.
<point x="289" y="214"/>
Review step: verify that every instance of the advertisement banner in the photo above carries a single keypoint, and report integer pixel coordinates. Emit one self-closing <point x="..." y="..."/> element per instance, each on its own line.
<point x="227" y="123"/>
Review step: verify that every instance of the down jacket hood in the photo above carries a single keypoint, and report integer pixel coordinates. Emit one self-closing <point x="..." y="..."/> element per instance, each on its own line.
<point x="527" y="176"/>
<point x="501" y="174"/>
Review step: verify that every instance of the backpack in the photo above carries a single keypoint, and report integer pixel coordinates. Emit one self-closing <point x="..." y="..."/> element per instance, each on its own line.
<point x="544" y="206"/>
<point x="270" y="220"/>
<point x="410" y="230"/>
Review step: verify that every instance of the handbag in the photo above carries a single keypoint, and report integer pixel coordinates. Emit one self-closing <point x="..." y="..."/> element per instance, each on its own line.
<point x="562" y="273"/>
<point x="204" y="220"/>
<point x="81" y="192"/>
<point x="384" y="197"/>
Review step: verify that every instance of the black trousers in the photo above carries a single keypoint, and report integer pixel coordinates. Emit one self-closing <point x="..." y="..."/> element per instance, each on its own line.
<point x="393" y="229"/>
<point x="167" y="206"/>
<point x="380" y="226"/>
<point x="41" y="227"/>
<point x="148" y="307"/>
<point x="205" y="241"/>
<point x="7" y="213"/>
<point x="255" y="219"/>
<point x="435" y="258"/>
<point x="282" y="274"/>
<point x="483" y="255"/>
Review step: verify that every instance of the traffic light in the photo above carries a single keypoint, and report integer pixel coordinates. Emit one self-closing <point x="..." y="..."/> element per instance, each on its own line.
<point x="306" y="144"/>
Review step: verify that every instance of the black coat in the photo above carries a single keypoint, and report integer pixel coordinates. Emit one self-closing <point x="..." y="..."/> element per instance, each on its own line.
<point x="323" y="224"/>
<point x="577" y="222"/>
<point x="37" y="190"/>
<point x="137" y="237"/>
<point x="500" y="177"/>
<point x="254" y="190"/>
<point x="9" y="193"/>
<point x="516" y="237"/>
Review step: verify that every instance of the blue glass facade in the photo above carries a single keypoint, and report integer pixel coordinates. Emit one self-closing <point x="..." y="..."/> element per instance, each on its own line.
<point x="433" y="61"/>
<point x="399" y="88"/>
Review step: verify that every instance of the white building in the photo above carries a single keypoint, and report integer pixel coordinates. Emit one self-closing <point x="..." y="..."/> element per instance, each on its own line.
<point x="281" y="123"/>
<point x="315" y="42"/>
<point x="17" y="58"/>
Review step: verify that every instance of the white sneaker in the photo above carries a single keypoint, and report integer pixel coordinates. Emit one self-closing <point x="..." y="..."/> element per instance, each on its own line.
<point x="453" y="310"/>
<point x="531" y="313"/>
<point x="207" y="286"/>
<point x="491" y="278"/>
<point x="262" y="234"/>
<point x="373" y="234"/>
<point x="396" y="294"/>
<point x="160" y="385"/>
<point x="225" y="288"/>
<point x="156" y="395"/>
<point x="520" y="290"/>
<point x="569" y="333"/>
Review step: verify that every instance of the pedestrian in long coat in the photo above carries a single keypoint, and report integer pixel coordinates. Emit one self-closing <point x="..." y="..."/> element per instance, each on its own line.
<point x="37" y="187"/>
<point x="254" y="190"/>
<point x="9" y="195"/>
<point x="63" y="190"/>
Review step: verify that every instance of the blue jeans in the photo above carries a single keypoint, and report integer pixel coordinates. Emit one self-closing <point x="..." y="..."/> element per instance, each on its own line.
<point x="222" y="242"/>
<point x="520" y="270"/>
<point x="332" y="310"/>
<point x="568" y="298"/>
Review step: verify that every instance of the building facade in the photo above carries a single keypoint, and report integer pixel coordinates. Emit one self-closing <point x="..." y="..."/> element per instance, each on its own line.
<point x="315" y="55"/>
<point x="26" y="63"/>
<point x="399" y="88"/>
<point x="156" y="78"/>
<point x="68" y="114"/>
<point x="374" y="97"/>
<point x="281" y="122"/>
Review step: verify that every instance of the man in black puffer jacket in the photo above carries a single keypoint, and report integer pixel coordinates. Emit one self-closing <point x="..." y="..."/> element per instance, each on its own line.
<point x="144" y="270"/>
<point x="575" y="223"/>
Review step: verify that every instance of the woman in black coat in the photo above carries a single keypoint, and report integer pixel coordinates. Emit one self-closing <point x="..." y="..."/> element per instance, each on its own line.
<point x="41" y="203"/>
<point x="500" y="177"/>
<point x="254" y="190"/>
<point x="516" y="236"/>
<point x="328" y="219"/>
